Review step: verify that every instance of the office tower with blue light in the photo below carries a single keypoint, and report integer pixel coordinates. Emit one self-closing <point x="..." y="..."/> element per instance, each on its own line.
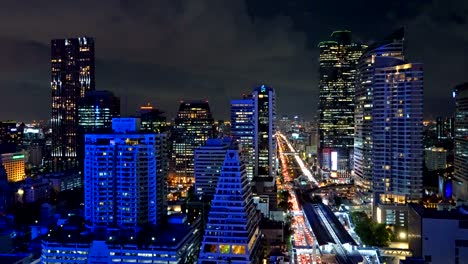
<point x="193" y="125"/>
<point x="232" y="233"/>
<point x="460" y="183"/>
<point x="392" y="46"/>
<point x="72" y="76"/>
<point x="242" y="130"/>
<point x="397" y="128"/>
<point x="209" y="159"/>
<point x="122" y="175"/>
<point x="338" y="60"/>
<point x="95" y="113"/>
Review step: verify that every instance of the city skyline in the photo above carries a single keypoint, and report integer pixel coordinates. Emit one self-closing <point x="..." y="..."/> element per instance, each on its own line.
<point x="161" y="61"/>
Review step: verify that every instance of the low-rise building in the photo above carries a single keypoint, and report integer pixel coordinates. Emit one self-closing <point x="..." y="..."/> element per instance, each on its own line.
<point x="438" y="236"/>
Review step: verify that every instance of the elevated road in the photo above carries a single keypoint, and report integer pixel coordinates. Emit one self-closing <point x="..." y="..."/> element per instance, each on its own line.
<point x="319" y="219"/>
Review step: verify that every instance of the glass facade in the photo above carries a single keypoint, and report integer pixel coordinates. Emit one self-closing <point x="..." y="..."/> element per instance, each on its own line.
<point x="264" y="132"/>
<point x="242" y="130"/>
<point x="193" y="125"/>
<point x="72" y="64"/>
<point x="337" y="73"/>
<point x="461" y="142"/>
<point x="391" y="46"/>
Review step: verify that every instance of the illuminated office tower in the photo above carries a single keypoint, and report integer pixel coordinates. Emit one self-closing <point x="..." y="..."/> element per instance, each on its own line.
<point x="232" y="233"/>
<point x="338" y="60"/>
<point x="397" y="114"/>
<point x="123" y="177"/>
<point x="95" y="113"/>
<point x="72" y="63"/>
<point x="264" y="133"/>
<point x="13" y="163"/>
<point x="391" y="46"/>
<point x="193" y="125"/>
<point x="242" y="130"/>
<point x="152" y="119"/>
<point x="460" y="95"/>
<point x="209" y="159"/>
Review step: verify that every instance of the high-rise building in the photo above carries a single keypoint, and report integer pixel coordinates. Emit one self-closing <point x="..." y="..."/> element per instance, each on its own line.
<point x="232" y="233"/>
<point x="444" y="128"/>
<point x="338" y="60"/>
<point x="123" y="177"/>
<point x="264" y="99"/>
<point x="72" y="63"/>
<point x="242" y="130"/>
<point x="95" y="113"/>
<point x="460" y="94"/>
<point x="391" y="46"/>
<point x="435" y="158"/>
<point x="14" y="164"/>
<point x="152" y="119"/>
<point x="397" y="115"/>
<point x="208" y="162"/>
<point x="193" y="125"/>
<point x="11" y="136"/>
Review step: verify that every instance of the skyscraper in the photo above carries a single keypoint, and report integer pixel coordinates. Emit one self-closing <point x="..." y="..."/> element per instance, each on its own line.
<point x="123" y="175"/>
<point x="391" y="46"/>
<point x="264" y="100"/>
<point x="338" y="60"/>
<point x="152" y="119"/>
<point x="95" y="113"/>
<point x="209" y="159"/>
<point x="193" y="125"/>
<point x="232" y="234"/>
<point x="72" y="63"/>
<point x="242" y="130"/>
<point x="460" y="95"/>
<point x="397" y="114"/>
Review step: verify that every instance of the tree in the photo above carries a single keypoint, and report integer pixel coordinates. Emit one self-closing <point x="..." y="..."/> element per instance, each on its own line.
<point x="371" y="233"/>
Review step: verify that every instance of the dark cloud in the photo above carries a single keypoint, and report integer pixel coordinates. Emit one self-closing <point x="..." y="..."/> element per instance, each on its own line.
<point x="167" y="50"/>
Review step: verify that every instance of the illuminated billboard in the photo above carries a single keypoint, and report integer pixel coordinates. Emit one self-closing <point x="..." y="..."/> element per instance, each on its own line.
<point x="334" y="161"/>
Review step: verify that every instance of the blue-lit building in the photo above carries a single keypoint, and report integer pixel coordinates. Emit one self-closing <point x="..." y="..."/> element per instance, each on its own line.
<point x="391" y="46"/>
<point x="125" y="193"/>
<point x="121" y="176"/>
<point x="95" y="113"/>
<point x="242" y="130"/>
<point x="208" y="162"/>
<point x="232" y="232"/>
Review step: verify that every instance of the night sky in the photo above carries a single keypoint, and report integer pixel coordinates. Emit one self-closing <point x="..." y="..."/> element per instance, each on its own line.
<point x="162" y="51"/>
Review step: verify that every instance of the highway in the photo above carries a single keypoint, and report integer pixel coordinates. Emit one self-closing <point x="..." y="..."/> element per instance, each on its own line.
<point x="302" y="237"/>
<point x="326" y="226"/>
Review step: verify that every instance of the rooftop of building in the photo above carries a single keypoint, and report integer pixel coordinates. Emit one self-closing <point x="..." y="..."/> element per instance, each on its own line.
<point x="170" y="235"/>
<point x="457" y="213"/>
<point x="13" y="258"/>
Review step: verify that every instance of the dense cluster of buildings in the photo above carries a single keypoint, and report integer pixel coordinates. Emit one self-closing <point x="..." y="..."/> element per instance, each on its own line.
<point x="147" y="180"/>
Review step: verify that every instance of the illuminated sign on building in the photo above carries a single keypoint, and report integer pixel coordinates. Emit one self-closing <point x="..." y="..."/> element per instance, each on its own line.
<point x="334" y="160"/>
